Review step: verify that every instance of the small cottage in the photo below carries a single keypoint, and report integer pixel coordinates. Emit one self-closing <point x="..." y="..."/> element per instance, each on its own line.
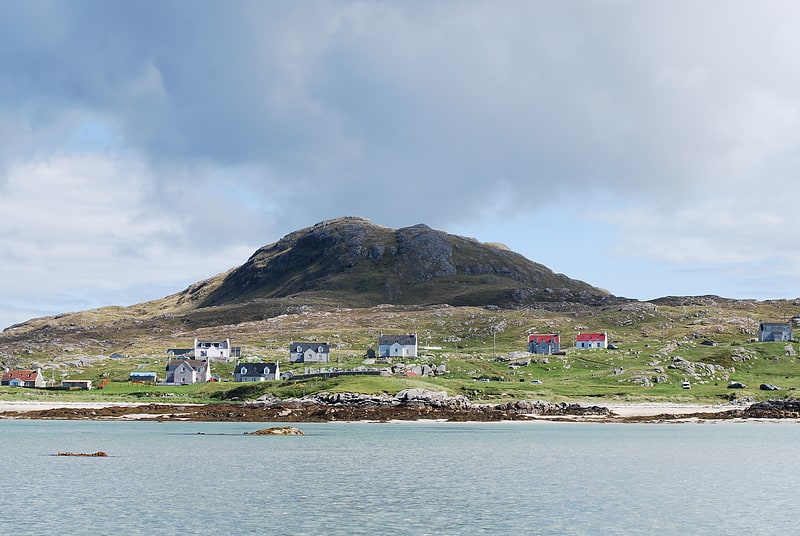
<point x="397" y="345"/>
<point x="591" y="340"/>
<point x="310" y="352"/>
<point x="23" y="378"/>
<point x="256" y="372"/>
<point x="143" y="377"/>
<point x="84" y="385"/>
<point x="774" y="331"/>
<point x="544" y="344"/>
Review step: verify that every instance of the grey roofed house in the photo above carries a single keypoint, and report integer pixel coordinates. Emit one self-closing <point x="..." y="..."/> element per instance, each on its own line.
<point x="397" y="345"/>
<point x="405" y="340"/>
<point x="256" y="372"/>
<point x="774" y="331"/>
<point x="310" y="352"/>
<point x="188" y="371"/>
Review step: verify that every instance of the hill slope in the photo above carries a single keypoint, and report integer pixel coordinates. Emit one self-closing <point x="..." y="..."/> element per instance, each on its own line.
<point x="349" y="262"/>
<point x="352" y="262"/>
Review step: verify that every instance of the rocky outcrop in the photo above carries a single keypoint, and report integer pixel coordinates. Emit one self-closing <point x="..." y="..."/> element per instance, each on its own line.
<point x="774" y="409"/>
<point x="363" y="264"/>
<point x="698" y="370"/>
<point x="426" y="400"/>
<point x="538" y="407"/>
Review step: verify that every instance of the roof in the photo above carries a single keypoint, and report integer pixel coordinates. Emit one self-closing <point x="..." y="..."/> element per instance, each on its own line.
<point x="543" y="338"/>
<point x="775" y="325"/>
<point x="590" y="337"/>
<point x="304" y="346"/>
<point x="255" y="369"/>
<point x="23" y="375"/>
<point x="194" y="363"/>
<point x="147" y="374"/>
<point x="405" y="340"/>
<point x="211" y="344"/>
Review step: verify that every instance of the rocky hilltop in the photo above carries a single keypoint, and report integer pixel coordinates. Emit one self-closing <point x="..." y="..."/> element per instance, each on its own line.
<point x="352" y="262"/>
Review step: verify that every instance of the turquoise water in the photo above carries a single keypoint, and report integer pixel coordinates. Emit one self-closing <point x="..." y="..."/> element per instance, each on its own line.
<point x="400" y="478"/>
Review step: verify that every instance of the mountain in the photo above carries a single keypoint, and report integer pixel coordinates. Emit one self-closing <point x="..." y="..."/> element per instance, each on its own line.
<point x="351" y="262"/>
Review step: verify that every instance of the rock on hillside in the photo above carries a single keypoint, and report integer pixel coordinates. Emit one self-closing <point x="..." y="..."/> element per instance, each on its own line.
<point x="352" y="262"/>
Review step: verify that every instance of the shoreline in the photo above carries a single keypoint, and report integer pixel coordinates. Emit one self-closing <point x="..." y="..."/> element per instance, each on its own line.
<point x="650" y="412"/>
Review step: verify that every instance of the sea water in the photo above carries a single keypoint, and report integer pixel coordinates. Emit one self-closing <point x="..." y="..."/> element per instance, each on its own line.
<point x="399" y="478"/>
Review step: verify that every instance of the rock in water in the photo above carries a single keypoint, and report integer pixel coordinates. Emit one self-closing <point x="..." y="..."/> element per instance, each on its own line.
<point x="280" y="430"/>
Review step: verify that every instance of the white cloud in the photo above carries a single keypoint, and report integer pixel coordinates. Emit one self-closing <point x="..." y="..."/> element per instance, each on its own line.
<point x="81" y="226"/>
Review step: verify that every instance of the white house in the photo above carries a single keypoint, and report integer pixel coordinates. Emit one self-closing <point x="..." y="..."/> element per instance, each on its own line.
<point x="23" y="378"/>
<point x="256" y="372"/>
<point x="397" y="345"/>
<point x="591" y="340"/>
<point x="186" y="371"/>
<point x="310" y="352"/>
<point x="220" y="350"/>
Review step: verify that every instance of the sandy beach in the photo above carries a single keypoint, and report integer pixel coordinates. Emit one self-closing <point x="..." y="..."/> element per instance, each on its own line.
<point x="651" y="409"/>
<point x="31" y="405"/>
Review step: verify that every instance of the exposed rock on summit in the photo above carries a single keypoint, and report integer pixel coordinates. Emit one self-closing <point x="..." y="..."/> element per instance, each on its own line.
<point x="352" y="262"/>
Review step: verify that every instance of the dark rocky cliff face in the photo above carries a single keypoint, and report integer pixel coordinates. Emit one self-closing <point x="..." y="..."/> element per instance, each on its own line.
<point x="352" y="262"/>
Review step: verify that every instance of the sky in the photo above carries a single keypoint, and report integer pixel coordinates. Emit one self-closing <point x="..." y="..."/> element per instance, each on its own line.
<point x="648" y="148"/>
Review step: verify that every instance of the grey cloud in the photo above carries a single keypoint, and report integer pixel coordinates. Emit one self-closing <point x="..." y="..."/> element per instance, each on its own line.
<point x="363" y="107"/>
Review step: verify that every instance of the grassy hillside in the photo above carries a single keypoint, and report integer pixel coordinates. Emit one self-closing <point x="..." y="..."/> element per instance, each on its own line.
<point x="659" y="345"/>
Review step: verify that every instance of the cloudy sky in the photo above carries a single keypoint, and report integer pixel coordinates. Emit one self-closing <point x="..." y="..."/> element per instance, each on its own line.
<point x="649" y="148"/>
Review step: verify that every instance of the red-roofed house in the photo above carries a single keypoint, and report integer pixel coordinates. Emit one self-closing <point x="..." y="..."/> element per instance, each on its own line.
<point x="544" y="344"/>
<point x="591" y="340"/>
<point x="23" y="378"/>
